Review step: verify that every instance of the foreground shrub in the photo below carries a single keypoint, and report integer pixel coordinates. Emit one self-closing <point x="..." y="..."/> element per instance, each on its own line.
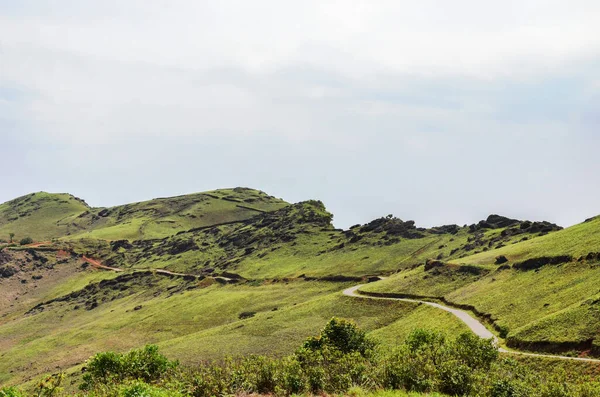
<point x="145" y="364"/>
<point x="142" y="389"/>
<point x="341" y="360"/>
<point x="428" y="361"/>
<point x="10" y="392"/>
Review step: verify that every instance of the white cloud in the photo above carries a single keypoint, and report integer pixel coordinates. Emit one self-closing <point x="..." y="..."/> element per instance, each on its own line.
<point x="360" y="90"/>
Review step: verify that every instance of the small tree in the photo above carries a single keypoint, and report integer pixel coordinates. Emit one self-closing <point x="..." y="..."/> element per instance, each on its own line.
<point x="11" y="235"/>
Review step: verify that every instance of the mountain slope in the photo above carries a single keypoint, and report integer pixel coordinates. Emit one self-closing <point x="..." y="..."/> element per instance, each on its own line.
<point x="43" y="216"/>
<point x="40" y="216"/>
<point x="541" y="294"/>
<point x="253" y="274"/>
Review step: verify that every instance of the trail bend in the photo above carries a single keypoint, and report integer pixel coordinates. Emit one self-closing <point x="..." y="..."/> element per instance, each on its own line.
<point x="474" y="325"/>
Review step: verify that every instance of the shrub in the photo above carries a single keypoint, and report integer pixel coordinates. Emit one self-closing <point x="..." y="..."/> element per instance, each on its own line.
<point x="504" y="388"/>
<point x="50" y="386"/>
<point x="10" y="392"/>
<point x="145" y="364"/>
<point x="26" y="241"/>
<point x="142" y="389"/>
<point x="474" y="352"/>
<point x="344" y="336"/>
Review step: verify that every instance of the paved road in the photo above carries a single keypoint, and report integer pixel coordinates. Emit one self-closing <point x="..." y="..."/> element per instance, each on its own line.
<point x="471" y="322"/>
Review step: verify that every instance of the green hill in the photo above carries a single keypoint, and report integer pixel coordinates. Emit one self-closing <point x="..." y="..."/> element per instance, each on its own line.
<point x="541" y="293"/>
<point x="39" y="215"/>
<point x="43" y="216"/>
<point x="250" y="273"/>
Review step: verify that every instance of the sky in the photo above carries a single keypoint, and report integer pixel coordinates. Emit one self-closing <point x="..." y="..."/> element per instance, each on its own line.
<point x="434" y="111"/>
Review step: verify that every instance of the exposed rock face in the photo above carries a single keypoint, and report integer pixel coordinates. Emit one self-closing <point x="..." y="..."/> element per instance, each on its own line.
<point x="7" y="271"/>
<point x="501" y="259"/>
<point x="445" y="229"/>
<point x="514" y="226"/>
<point x="497" y="221"/>
<point x="393" y="226"/>
<point x="432" y="264"/>
<point x="536" y="263"/>
<point x="118" y="244"/>
<point x="4" y="258"/>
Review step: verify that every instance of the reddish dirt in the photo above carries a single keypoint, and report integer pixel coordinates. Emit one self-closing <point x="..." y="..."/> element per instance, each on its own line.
<point x="62" y="254"/>
<point x="96" y="264"/>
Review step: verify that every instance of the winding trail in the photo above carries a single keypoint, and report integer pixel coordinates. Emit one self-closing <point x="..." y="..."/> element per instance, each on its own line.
<point x="98" y="265"/>
<point x="474" y="325"/>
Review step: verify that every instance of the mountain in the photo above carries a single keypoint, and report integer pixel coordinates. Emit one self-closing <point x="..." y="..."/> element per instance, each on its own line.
<point x="236" y="271"/>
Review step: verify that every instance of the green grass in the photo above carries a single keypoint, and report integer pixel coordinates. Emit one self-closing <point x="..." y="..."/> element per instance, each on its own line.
<point x="159" y="218"/>
<point x="556" y="304"/>
<point x="38" y="215"/>
<point x="577" y="240"/>
<point x="272" y="244"/>
<point x="199" y="324"/>
<point x="43" y="216"/>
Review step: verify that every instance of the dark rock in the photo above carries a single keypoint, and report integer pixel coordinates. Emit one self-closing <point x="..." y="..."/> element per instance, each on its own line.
<point x="393" y="227"/>
<point x="179" y="247"/>
<point x="245" y="315"/>
<point x="536" y="263"/>
<point x="445" y="229"/>
<point x="501" y="259"/>
<point x="104" y="213"/>
<point x="498" y="221"/>
<point x="431" y="264"/>
<point x="116" y="245"/>
<point x="7" y="271"/>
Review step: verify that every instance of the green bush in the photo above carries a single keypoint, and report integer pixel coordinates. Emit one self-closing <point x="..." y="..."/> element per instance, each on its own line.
<point x="505" y="388"/>
<point x="339" y="361"/>
<point x="145" y="364"/>
<point x="26" y="241"/>
<point x="10" y="392"/>
<point x="142" y="389"/>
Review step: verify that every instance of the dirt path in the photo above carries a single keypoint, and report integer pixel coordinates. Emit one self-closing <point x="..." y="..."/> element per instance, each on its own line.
<point x="98" y="265"/>
<point x="474" y="325"/>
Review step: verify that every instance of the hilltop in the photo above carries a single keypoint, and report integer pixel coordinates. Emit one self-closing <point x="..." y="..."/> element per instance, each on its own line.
<point x="237" y="271"/>
<point x="39" y="215"/>
<point x="43" y="216"/>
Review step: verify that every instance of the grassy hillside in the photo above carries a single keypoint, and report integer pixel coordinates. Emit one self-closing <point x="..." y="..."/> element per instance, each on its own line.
<point x="536" y="302"/>
<point x="577" y="241"/>
<point x="191" y="319"/>
<point x="39" y="215"/>
<point x="43" y="216"/>
<point x="299" y="240"/>
<point x="259" y="275"/>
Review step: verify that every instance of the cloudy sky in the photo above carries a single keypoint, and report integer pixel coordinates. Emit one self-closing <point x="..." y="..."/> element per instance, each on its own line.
<point x="437" y="111"/>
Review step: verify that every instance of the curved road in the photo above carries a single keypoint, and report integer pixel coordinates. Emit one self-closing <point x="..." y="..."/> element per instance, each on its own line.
<point x="471" y="322"/>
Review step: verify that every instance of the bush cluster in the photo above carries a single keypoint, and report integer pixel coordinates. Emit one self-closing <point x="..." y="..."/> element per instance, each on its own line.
<point x="341" y="360"/>
<point x="146" y="365"/>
